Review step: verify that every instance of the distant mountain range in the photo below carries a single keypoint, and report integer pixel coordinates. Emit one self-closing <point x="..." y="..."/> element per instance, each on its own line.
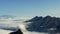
<point x="44" y="24"/>
<point x="6" y="16"/>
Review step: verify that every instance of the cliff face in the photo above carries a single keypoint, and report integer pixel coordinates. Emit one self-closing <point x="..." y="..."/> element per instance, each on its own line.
<point x="17" y="32"/>
<point x="44" y="24"/>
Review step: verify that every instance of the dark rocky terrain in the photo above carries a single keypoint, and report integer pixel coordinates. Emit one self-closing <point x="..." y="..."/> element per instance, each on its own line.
<point x="44" y="24"/>
<point x="17" y="32"/>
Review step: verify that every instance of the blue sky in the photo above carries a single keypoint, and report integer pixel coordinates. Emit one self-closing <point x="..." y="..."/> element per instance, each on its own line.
<point x="30" y="7"/>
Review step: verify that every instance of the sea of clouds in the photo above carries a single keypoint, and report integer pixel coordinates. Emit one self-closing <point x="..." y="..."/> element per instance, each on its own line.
<point x="9" y="25"/>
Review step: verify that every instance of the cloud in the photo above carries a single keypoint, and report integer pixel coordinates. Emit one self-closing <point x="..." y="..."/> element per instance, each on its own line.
<point x="4" y="31"/>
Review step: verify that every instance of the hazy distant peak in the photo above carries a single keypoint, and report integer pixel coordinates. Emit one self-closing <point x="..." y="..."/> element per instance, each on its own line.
<point x="6" y="16"/>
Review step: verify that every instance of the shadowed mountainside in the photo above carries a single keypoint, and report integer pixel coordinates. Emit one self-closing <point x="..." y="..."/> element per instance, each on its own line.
<point x="17" y="32"/>
<point x="44" y="24"/>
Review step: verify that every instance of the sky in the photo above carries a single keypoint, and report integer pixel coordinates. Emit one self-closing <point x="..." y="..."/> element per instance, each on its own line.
<point x="30" y="8"/>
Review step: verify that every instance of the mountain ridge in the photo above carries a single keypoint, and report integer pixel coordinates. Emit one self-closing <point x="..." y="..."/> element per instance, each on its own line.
<point x="44" y="24"/>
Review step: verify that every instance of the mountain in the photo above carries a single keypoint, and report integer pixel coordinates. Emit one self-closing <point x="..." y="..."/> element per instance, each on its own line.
<point x="17" y="32"/>
<point x="6" y="16"/>
<point x="44" y="24"/>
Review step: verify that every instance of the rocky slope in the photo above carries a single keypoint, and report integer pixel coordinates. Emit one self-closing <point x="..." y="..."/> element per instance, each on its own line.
<point x="44" y="24"/>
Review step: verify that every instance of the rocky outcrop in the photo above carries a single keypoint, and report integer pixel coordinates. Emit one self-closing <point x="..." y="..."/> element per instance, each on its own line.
<point x="17" y="32"/>
<point x="43" y="24"/>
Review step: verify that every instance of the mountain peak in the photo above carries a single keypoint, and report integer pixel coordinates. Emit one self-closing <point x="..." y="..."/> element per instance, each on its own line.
<point x="6" y="16"/>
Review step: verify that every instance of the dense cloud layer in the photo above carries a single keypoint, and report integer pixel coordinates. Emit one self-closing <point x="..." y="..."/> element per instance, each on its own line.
<point x="9" y="25"/>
